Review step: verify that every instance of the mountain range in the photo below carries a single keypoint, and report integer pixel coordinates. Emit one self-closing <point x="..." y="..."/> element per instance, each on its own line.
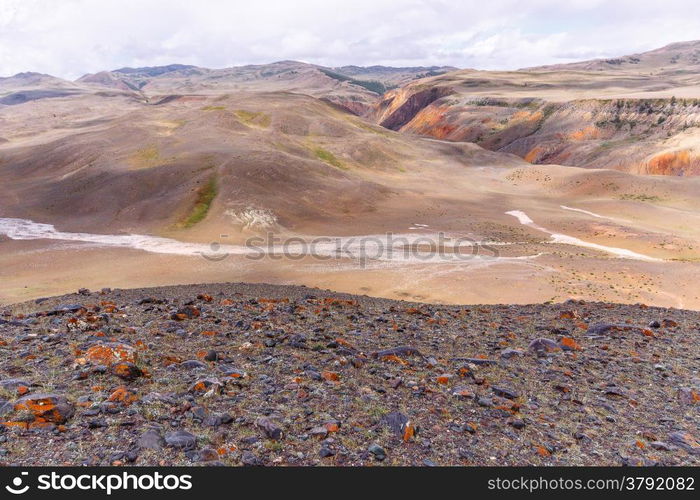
<point x="569" y="170"/>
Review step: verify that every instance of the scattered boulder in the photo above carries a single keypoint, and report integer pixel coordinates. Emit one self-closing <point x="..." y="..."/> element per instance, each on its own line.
<point x="541" y="345"/>
<point x="689" y="396"/>
<point x="206" y="385"/>
<point x="249" y="459"/>
<point x="151" y="440"/>
<point x="270" y="428"/>
<point x="511" y="353"/>
<point x="126" y="371"/>
<point x="377" y="451"/>
<point x="685" y="441"/>
<point x="185" y="313"/>
<point x="110" y="353"/>
<point x="505" y="392"/>
<point x="400" y="425"/>
<point x="401" y="351"/>
<point x="52" y="408"/>
<point x="182" y="440"/>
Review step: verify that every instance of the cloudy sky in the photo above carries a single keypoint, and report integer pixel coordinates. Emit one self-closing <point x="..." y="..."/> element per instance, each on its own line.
<point x="68" y="38"/>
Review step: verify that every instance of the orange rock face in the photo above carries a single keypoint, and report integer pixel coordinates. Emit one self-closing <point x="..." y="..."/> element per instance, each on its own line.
<point x="674" y="163"/>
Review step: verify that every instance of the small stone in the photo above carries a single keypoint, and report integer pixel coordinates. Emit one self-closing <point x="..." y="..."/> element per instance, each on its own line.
<point x="505" y="392"/>
<point x="218" y="419"/>
<point x="319" y="432"/>
<point x="249" y="459"/>
<point x="400" y="425"/>
<point x="151" y="440"/>
<point x="686" y="441"/>
<point x="542" y="344"/>
<point x="187" y="312"/>
<point x="463" y="392"/>
<point x="397" y="351"/>
<point x="377" y="451"/>
<point x="207" y="455"/>
<point x="110" y="353"/>
<point x="181" y="440"/>
<point x="270" y="428"/>
<point x="660" y="445"/>
<point x="211" y="355"/>
<point x="517" y="423"/>
<point x="486" y="402"/>
<point x="206" y="385"/>
<point x="511" y="353"/>
<point x="193" y="364"/>
<point x="689" y="396"/>
<point x="126" y="371"/>
<point x="97" y="423"/>
<point x="326" y="452"/>
<point x="46" y="407"/>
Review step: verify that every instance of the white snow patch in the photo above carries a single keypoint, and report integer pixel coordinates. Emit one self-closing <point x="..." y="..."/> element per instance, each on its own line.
<point x="571" y="240"/>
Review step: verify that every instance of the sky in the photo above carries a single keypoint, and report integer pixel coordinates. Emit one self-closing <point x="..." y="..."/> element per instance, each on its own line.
<point x="68" y="38"/>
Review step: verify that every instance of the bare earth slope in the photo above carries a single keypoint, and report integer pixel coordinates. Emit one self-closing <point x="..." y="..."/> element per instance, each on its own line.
<point x="638" y="114"/>
<point x="263" y="375"/>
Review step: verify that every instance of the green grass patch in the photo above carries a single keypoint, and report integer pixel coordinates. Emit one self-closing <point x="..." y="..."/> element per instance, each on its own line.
<point x="252" y="118"/>
<point x="329" y="158"/>
<point x="205" y="197"/>
<point x="213" y="108"/>
<point x="371" y="85"/>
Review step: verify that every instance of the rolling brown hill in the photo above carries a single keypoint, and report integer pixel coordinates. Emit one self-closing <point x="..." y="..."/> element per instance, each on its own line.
<point x="117" y="160"/>
<point x="637" y="113"/>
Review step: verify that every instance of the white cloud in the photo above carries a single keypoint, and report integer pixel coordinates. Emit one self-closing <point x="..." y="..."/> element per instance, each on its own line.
<point x="72" y="37"/>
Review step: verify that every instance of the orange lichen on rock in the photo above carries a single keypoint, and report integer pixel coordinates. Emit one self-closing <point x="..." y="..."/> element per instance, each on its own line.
<point x="443" y="379"/>
<point x="331" y="376"/>
<point x="46" y="407"/>
<point x="542" y="451"/>
<point x="571" y="344"/>
<point x="393" y="358"/>
<point x="109" y="354"/>
<point x="332" y="301"/>
<point x="126" y="370"/>
<point x="122" y="395"/>
<point x="408" y="431"/>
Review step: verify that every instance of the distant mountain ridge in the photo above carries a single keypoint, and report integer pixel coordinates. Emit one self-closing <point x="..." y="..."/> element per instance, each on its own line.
<point x="671" y="57"/>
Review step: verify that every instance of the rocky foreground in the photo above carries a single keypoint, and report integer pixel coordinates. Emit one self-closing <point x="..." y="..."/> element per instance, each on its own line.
<point x="240" y="374"/>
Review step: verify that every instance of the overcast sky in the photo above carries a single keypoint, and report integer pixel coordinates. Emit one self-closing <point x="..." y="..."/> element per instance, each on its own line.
<point x="68" y="38"/>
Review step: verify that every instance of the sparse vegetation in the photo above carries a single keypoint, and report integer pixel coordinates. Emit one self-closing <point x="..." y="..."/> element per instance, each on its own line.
<point x="146" y="157"/>
<point x="327" y="157"/>
<point x="205" y="197"/>
<point x="640" y="197"/>
<point x="252" y="118"/>
<point x="371" y="85"/>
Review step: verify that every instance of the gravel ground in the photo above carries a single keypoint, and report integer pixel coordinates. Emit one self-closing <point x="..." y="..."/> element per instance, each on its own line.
<point x="239" y="374"/>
